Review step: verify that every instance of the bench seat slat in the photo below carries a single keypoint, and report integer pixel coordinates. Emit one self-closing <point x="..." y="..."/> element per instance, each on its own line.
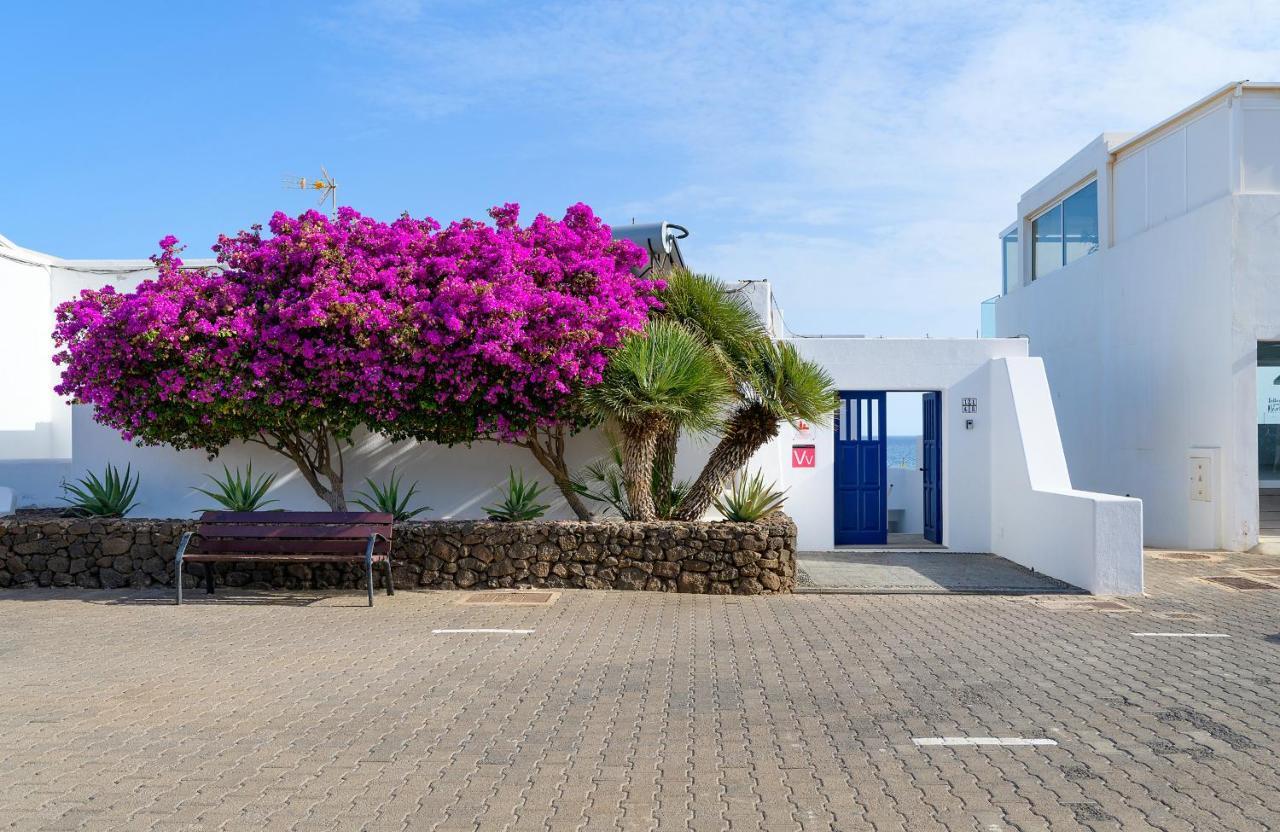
<point x="287" y="530"/>
<point x="299" y="547"/>
<point x="280" y="557"/>
<point x="264" y="517"/>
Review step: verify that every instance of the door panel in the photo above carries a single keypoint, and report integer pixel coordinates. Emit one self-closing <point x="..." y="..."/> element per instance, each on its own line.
<point x="861" y="457"/>
<point x="931" y="466"/>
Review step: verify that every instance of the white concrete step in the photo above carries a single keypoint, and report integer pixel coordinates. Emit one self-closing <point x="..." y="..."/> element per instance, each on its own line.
<point x="1267" y="545"/>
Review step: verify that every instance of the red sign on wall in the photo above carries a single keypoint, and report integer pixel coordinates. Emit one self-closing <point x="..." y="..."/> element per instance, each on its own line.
<point x="803" y="456"/>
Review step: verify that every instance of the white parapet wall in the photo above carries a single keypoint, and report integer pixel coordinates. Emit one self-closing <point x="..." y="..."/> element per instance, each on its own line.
<point x="1088" y="539"/>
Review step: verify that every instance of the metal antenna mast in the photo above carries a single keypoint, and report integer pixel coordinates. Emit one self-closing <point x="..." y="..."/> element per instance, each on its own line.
<point x="325" y="184"/>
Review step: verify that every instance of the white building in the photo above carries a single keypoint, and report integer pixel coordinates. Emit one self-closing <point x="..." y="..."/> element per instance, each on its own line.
<point x="994" y="477"/>
<point x="1148" y="279"/>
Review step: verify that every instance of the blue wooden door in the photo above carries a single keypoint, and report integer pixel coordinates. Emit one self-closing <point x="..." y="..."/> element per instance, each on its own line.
<point x="861" y="458"/>
<point x="931" y="466"/>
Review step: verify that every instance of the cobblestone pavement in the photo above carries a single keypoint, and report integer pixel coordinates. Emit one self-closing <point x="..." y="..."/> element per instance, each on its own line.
<point x="856" y="570"/>
<point x="637" y="711"/>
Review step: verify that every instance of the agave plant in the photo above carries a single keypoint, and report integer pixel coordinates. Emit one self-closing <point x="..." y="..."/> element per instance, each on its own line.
<point x="387" y="499"/>
<point x="519" y="500"/>
<point x="110" y="496"/>
<point x="239" y="492"/>
<point x="749" y="498"/>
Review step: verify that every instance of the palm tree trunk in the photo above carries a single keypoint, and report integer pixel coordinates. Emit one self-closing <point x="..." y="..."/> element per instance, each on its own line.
<point x="726" y="460"/>
<point x="664" y="463"/>
<point x="638" y="448"/>
<point x="749" y="429"/>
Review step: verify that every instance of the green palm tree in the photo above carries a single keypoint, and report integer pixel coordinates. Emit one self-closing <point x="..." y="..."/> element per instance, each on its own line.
<point x="667" y="376"/>
<point x="730" y="327"/>
<point x="780" y="385"/>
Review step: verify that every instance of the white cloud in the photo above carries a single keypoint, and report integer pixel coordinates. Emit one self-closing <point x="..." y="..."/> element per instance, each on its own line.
<point x="861" y="155"/>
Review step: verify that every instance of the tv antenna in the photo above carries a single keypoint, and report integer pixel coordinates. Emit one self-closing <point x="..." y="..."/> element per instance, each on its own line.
<point x="326" y="185"/>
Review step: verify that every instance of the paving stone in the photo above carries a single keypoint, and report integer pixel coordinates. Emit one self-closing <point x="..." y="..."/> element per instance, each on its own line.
<point x="640" y="711"/>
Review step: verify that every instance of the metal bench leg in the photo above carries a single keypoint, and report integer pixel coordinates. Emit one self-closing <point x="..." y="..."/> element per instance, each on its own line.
<point x="391" y="590"/>
<point x="208" y="578"/>
<point x="368" y="565"/>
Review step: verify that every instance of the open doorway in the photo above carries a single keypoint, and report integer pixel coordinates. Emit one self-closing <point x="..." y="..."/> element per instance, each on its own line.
<point x="888" y="470"/>
<point x="1268" y="395"/>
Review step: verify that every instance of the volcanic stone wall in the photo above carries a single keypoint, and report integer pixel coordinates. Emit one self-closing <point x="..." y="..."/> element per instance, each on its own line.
<point x="717" y="558"/>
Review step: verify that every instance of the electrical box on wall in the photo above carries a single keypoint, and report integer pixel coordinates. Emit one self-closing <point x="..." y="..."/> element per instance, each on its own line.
<point x="1202" y="479"/>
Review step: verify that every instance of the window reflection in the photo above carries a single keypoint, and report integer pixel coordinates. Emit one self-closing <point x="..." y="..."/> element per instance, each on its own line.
<point x="1047" y="232"/>
<point x="1066" y="232"/>
<point x="1080" y="222"/>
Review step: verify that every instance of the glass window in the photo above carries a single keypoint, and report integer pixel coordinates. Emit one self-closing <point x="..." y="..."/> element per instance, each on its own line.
<point x="1046" y="230"/>
<point x="1009" y="248"/>
<point x="1080" y="223"/>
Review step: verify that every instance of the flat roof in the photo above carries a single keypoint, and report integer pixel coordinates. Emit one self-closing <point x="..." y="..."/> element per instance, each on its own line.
<point x="1226" y="89"/>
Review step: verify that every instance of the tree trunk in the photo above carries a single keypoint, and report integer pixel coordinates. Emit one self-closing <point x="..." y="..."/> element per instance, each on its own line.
<point x="549" y="452"/>
<point x="334" y="497"/>
<point x="638" y="447"/>
<point x="664" y="463"/>
<point x="749" y="429"/>
<point x="332" y="493"/>
<point x="314" y="458"/>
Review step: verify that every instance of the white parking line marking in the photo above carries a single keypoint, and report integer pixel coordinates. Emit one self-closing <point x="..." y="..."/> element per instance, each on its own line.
<point x="1180" y="635"/>
<point x="983" y="741"/>
<point x="484" y="630"/>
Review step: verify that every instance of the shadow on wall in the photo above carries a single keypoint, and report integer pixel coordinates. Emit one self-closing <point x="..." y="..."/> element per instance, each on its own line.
<point x="457" y="482"/>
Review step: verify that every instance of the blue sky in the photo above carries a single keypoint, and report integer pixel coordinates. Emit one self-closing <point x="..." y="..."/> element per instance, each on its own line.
<point x="862" y="156"/>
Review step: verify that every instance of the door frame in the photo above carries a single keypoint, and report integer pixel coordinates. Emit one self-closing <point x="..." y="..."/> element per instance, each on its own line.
<point x="931" y="459"/>
<point x="940" y="490"/>
<point x="874" y="430"/>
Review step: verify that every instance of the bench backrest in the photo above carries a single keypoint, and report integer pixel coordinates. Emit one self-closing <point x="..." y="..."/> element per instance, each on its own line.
<point x="292" y="532"/>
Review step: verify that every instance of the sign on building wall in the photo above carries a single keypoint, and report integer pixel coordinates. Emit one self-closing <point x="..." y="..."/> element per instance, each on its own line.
<point x="803" y="456"/>
<point x="969" y="405"/>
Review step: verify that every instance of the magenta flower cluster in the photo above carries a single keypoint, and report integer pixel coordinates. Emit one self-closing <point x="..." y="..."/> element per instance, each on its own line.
<point x="411" y="329"/>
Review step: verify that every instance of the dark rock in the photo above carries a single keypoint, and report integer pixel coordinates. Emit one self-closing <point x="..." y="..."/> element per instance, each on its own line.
<point x="693" y="582"/>
<point x="111" y="579"/>
<point x="747" y="558"/>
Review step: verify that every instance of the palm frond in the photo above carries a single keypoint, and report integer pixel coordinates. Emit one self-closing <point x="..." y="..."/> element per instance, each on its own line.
<point x="666" y="372"/>
<point x="792" y="387"/>
<point x="721" y="315"/>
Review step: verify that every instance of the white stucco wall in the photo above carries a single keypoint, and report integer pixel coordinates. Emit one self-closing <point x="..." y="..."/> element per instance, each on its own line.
<point x="951" y="366"/>
<point x="1038" y="519"/>
<point x="906" y="494"/>
<point x="1005" y="483"/>
<point x="1136" y="344"/>
<point x="1150" y="342"/>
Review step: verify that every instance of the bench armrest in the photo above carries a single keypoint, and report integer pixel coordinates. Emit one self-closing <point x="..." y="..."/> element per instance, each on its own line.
<point x="182" y="545"/>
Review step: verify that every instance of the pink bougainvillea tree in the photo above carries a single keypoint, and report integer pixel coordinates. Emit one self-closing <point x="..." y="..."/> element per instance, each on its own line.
<point x="300" y="336"/>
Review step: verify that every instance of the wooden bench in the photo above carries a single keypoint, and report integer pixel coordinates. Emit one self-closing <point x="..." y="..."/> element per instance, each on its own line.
<point x="289" y="537"/>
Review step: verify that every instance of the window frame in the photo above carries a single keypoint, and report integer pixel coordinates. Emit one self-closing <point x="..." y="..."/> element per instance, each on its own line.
<point x="1060" y="203"/>
<point x="1010" y="232"/>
